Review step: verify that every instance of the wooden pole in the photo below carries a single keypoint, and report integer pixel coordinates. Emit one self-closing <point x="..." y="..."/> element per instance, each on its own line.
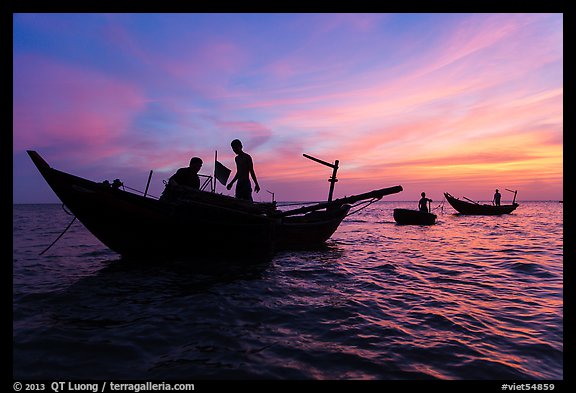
<point x="375" y="194"/>
<point x="515" y="192"/>
<point x="148" y="184"/>
<point x="215" y="159"/>
<point x="471" y="201"/>
<point x="318" y="160"/>
<point x="333" y="178"/>
<point x="271" y="193"/>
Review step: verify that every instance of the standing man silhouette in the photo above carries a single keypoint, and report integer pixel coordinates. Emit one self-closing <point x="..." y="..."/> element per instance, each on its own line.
<point x="497" y="197"/>
<point x="244" y="169"/>
<point x="423" y="203"/>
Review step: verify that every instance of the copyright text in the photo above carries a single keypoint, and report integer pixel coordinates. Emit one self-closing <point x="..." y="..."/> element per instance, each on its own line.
<point x="100" y="387"/>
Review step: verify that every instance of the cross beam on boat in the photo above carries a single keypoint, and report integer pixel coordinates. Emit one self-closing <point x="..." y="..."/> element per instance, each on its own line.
<point x="515" y="193"/>
<point x="375" y="194"/>
<point x="333" y="178"/>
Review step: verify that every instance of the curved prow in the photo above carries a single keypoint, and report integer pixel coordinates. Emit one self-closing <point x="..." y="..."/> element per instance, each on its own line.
<point x="38" y="160"/>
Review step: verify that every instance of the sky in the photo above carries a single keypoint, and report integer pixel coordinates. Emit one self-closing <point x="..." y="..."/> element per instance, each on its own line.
<point x="458" y="103"/>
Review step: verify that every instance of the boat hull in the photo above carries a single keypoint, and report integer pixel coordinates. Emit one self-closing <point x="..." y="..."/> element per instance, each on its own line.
<point x="205" y="224"/>
<point x="310" y="230"/>
<point x="468" y="208"/>
<point x="414" y="217"/>
<point x="133" y="225"/>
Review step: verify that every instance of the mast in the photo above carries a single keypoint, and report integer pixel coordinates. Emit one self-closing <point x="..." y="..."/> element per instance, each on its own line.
<point x="515" y="192"/>
<point x="333" y="178"/>
<point x="214" y="177"/>
<point x="148" y="183"/>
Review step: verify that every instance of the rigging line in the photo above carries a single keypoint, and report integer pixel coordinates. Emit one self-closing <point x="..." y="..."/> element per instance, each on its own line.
<point x="138" y="191"/>
<point x="297" y="203"/>
<point x="66" y="211"/>
<point x="365" y="203"/>
<point x="54" y="242"/>
<point x="440" y="206"/>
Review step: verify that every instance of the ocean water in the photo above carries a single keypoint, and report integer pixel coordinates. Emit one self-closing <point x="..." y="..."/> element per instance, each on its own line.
<point x="470" y="298"/>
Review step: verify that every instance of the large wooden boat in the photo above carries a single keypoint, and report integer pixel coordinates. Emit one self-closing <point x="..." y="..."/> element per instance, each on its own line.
<point x="475" y="208"/>
<point x="202" y="223"/>
<point x="414" y="217"/>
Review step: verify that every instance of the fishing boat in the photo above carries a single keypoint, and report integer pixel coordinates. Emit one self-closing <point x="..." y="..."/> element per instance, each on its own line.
<point x="470" y="207"/>
<point x="201" y="223"/>
<point x="414" y="217"/>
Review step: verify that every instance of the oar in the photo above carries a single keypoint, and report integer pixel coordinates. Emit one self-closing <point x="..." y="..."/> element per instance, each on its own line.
<point x="471" y="201"/>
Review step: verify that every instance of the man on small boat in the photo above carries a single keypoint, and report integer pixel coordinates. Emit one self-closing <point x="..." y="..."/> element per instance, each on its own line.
<point x="244" y="169"/>
<point x="497" y="197"/>
<point x="423" y="203"/>
<point x="188" y="176"/>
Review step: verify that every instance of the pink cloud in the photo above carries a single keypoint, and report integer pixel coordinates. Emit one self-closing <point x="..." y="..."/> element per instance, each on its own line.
<point x="251" y="133"/>
<point x="473" y="107"/>
<point x="66" y="105"/>
<point x="207" y="68"/>
<point x="497" y="140"/>
<point x="205" y="65"/>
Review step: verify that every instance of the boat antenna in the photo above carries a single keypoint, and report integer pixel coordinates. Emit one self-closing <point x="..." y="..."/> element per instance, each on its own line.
<point x="270" y="192"/>
<point x="332" y="179"/>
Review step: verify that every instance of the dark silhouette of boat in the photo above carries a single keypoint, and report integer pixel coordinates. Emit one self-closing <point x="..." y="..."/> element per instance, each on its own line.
<point x="414" y="217"/>
<point x="202" y="223"/>
<point x="474" y="208"/>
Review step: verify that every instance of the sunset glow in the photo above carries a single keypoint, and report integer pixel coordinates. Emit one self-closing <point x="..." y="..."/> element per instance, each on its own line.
<point x="463" y="103"/>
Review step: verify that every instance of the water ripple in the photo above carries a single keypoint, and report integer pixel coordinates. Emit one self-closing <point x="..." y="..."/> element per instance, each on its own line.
<point x="469" y="298"/>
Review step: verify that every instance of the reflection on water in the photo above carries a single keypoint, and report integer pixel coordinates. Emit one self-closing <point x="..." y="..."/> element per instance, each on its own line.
<point x="468" y="298"/>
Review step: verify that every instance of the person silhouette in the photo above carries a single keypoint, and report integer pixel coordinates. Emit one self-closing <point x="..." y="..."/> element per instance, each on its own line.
<point x="244" y="169"/>
<point x="188" y="176"/>
<point x="423" y="203"/>
<point x="497" y="197"/>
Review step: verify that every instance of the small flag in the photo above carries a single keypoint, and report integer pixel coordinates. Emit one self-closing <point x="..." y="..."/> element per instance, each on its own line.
<point x="221" y="173"/>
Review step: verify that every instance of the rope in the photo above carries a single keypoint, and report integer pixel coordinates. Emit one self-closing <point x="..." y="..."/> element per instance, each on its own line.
<point x="58" y="238"/>
<point x="66" y="211"/>
<point x="440" y="206"/>
<point x="141" y="192"/>
<point x="297" y="203"/>
<point x="365" y="203"/>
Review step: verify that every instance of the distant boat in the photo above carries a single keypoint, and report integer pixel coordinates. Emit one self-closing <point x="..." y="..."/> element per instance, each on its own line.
<point x="202" y="223"/>
<point x="474" y="208"/>
<point x="414" y="217"/>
